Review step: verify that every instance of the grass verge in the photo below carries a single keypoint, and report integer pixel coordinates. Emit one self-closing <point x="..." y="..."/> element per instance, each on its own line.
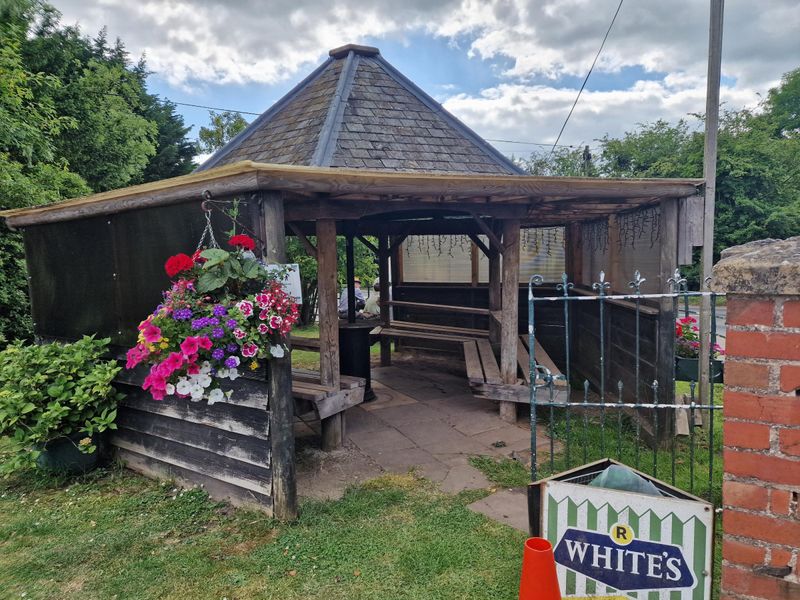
<point x="114" y="534"/>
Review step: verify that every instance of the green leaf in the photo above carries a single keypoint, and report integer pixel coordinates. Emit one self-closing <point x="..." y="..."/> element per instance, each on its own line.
<point x="214" y="256"/>
<point x="252" y="270"/>
<point x="210" y="281"/>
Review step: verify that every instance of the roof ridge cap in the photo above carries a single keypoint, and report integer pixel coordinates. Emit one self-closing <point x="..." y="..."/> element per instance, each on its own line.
<point x="329" y="133"/>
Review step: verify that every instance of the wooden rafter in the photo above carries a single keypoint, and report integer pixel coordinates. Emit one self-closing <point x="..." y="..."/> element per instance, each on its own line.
<point x="309" y="247"/>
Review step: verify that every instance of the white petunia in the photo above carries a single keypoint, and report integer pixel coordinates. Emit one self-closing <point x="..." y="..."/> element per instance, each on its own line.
<point x="204" y="380"/>
<point x="233" y="374"/>
<point x="183" y="387"/>
<point x="197" y="393"/>
<point x="277" y="351"/>
<point x="205" y="367"/>
<point x="215" y="395"/>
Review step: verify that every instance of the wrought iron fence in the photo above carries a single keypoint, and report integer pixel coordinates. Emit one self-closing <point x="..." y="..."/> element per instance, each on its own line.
<point x="637" y="426"/>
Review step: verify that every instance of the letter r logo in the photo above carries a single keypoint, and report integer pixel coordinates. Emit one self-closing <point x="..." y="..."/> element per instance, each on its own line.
<point x="621" y="533"/>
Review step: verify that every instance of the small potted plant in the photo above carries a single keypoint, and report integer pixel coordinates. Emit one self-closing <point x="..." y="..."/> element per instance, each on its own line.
<point x="687" y="352"/>
<point x="225" y="310"/>
<point x="55" y="402"/>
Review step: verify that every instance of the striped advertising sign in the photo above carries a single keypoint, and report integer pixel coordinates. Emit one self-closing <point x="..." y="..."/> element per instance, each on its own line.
<point x="615" y="544"/>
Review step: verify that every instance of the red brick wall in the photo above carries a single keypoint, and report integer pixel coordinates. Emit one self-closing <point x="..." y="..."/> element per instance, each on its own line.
<point x="761" y="518"/>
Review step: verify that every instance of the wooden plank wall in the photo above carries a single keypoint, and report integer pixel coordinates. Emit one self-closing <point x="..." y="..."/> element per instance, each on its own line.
<point x="584" y="317"/>
<point x="224" y="447"/>
<point x="620" y="344"/>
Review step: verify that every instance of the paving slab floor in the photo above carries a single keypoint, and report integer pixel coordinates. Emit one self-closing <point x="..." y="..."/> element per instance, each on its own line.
<point x="422" y="420"/>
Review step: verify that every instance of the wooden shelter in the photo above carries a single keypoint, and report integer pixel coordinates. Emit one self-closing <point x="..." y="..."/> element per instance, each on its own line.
<point x="355" y="150"/>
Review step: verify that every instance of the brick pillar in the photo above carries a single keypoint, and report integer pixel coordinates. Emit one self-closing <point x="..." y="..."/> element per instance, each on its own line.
<point x="761" y="439"/>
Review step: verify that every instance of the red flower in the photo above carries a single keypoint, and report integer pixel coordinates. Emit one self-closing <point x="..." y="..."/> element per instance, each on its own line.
<point x="245" y="242"/>
<point x="178" y="264"/>
<point x="197" y="258"/>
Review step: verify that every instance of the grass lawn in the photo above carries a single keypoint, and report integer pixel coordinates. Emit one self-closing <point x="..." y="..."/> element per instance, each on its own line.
<point x="114" y="534"/>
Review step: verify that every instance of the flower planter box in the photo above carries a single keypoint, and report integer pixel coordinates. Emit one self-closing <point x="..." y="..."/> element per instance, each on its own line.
<point x="687" y="369"/>
<point x="62" y="455"/>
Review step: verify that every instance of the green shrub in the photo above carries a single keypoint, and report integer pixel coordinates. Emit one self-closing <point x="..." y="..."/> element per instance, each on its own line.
<point x="54" y="390"/>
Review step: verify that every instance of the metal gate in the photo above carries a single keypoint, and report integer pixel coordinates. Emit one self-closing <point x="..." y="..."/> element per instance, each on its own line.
<point x="648" y="424"/>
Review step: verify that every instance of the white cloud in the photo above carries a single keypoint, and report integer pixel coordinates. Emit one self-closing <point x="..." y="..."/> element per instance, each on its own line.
<point x="192" y="42"/>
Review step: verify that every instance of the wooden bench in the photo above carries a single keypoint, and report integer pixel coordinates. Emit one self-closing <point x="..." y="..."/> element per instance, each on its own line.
<point x="326" y="401"/>
<point x="304" y="343"/>
<point x="424" y="335"/>
<point x="483" y="372"/>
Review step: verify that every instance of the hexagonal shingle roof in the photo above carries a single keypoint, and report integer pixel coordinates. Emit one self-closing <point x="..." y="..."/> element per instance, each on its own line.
<point x="357" y="111"/>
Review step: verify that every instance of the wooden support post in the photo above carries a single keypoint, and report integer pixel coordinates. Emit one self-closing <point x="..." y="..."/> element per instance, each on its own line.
<point x="495" y="293"/>
<point x="574" y="245"/>
<point x="474" y="264"/>
<point x="332" y="427"/>
<point x="350" y="269"/>
<point x="383" y="276"/>
<point x="509" y="324"/>
<point x="665" y="368"/>
<point x="279" y="377"/>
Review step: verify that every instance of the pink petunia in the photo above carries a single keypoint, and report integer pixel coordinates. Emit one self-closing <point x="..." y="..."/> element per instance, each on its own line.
<point x="245" y="307"/>
<point x="249" y="350"/>
<point x="150" y="332"/>
<point x="204" y="342"/>
<point x="263" y="315"/>
<point x="190" y="345"/>
<point x="136" y="355"/>
<point x="262" y="328"/>
<point x="275" y="322"/>
<point x="238" y="333"/>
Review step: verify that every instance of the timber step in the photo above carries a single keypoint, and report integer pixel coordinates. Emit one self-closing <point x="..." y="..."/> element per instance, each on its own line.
<point x="483" y="371"/>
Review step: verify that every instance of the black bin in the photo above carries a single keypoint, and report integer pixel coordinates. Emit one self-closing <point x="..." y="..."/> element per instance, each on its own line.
<point x="354" y="353"/>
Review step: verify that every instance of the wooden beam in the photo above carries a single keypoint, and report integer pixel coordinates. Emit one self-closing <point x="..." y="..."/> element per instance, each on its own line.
<point x="383" y="277"/>
<point x="310" y="249"/>
<point x="332" y="430"/>
<point x="666" y="320"/>
<point x="248" y="176"/>
<point x="350" y="275"/>
<point x="399" y="239"/>
<point x="574" y="259"/>
<point x="487" y="231"/>
<point x="465" y="310"/>
<point x="474" y="264"/>
<point x="495" y="293"/>
<point x="370" y="246"/>
<point x="279" y="371"/>
<point x="509" y="327"/>
<point x="479" y="243"/>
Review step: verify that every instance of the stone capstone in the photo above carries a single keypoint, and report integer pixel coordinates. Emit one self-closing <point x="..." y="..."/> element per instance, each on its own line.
<point x="763" y="267"/>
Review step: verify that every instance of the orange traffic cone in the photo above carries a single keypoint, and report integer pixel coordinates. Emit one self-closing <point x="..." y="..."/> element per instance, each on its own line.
<point x="539" y="580"/>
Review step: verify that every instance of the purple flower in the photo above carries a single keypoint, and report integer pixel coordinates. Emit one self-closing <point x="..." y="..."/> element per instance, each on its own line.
<point x="231" y="362"/>
<point x="219" y="310"/>
<point x="232" y="347"/>
<point x="217" y="332"/>
<point x="182" y="314"/>
<point x="218" y="354"/>
<point x="198" y="323"/>
<point x="231" y="323"/>
<point x="212" y="321"/>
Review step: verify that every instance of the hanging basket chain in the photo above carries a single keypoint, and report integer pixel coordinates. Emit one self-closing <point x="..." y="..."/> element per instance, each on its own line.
<point x="207" y="206"/>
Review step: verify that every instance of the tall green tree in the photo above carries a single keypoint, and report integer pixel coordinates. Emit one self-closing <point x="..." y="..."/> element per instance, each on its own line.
<point x="30" y="170"/>
<point x="223" y="128"/>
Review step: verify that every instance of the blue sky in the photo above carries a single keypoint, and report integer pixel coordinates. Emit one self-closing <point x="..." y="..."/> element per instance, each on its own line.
<point x="509" y="68"/>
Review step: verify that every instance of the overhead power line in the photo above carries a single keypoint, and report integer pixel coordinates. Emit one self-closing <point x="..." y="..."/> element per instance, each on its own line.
<point x="583" y="85"/>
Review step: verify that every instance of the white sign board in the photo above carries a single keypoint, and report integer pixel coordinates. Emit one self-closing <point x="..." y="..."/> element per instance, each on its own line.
<point x="291" y="280"/>
<point x="614" y="544"/>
